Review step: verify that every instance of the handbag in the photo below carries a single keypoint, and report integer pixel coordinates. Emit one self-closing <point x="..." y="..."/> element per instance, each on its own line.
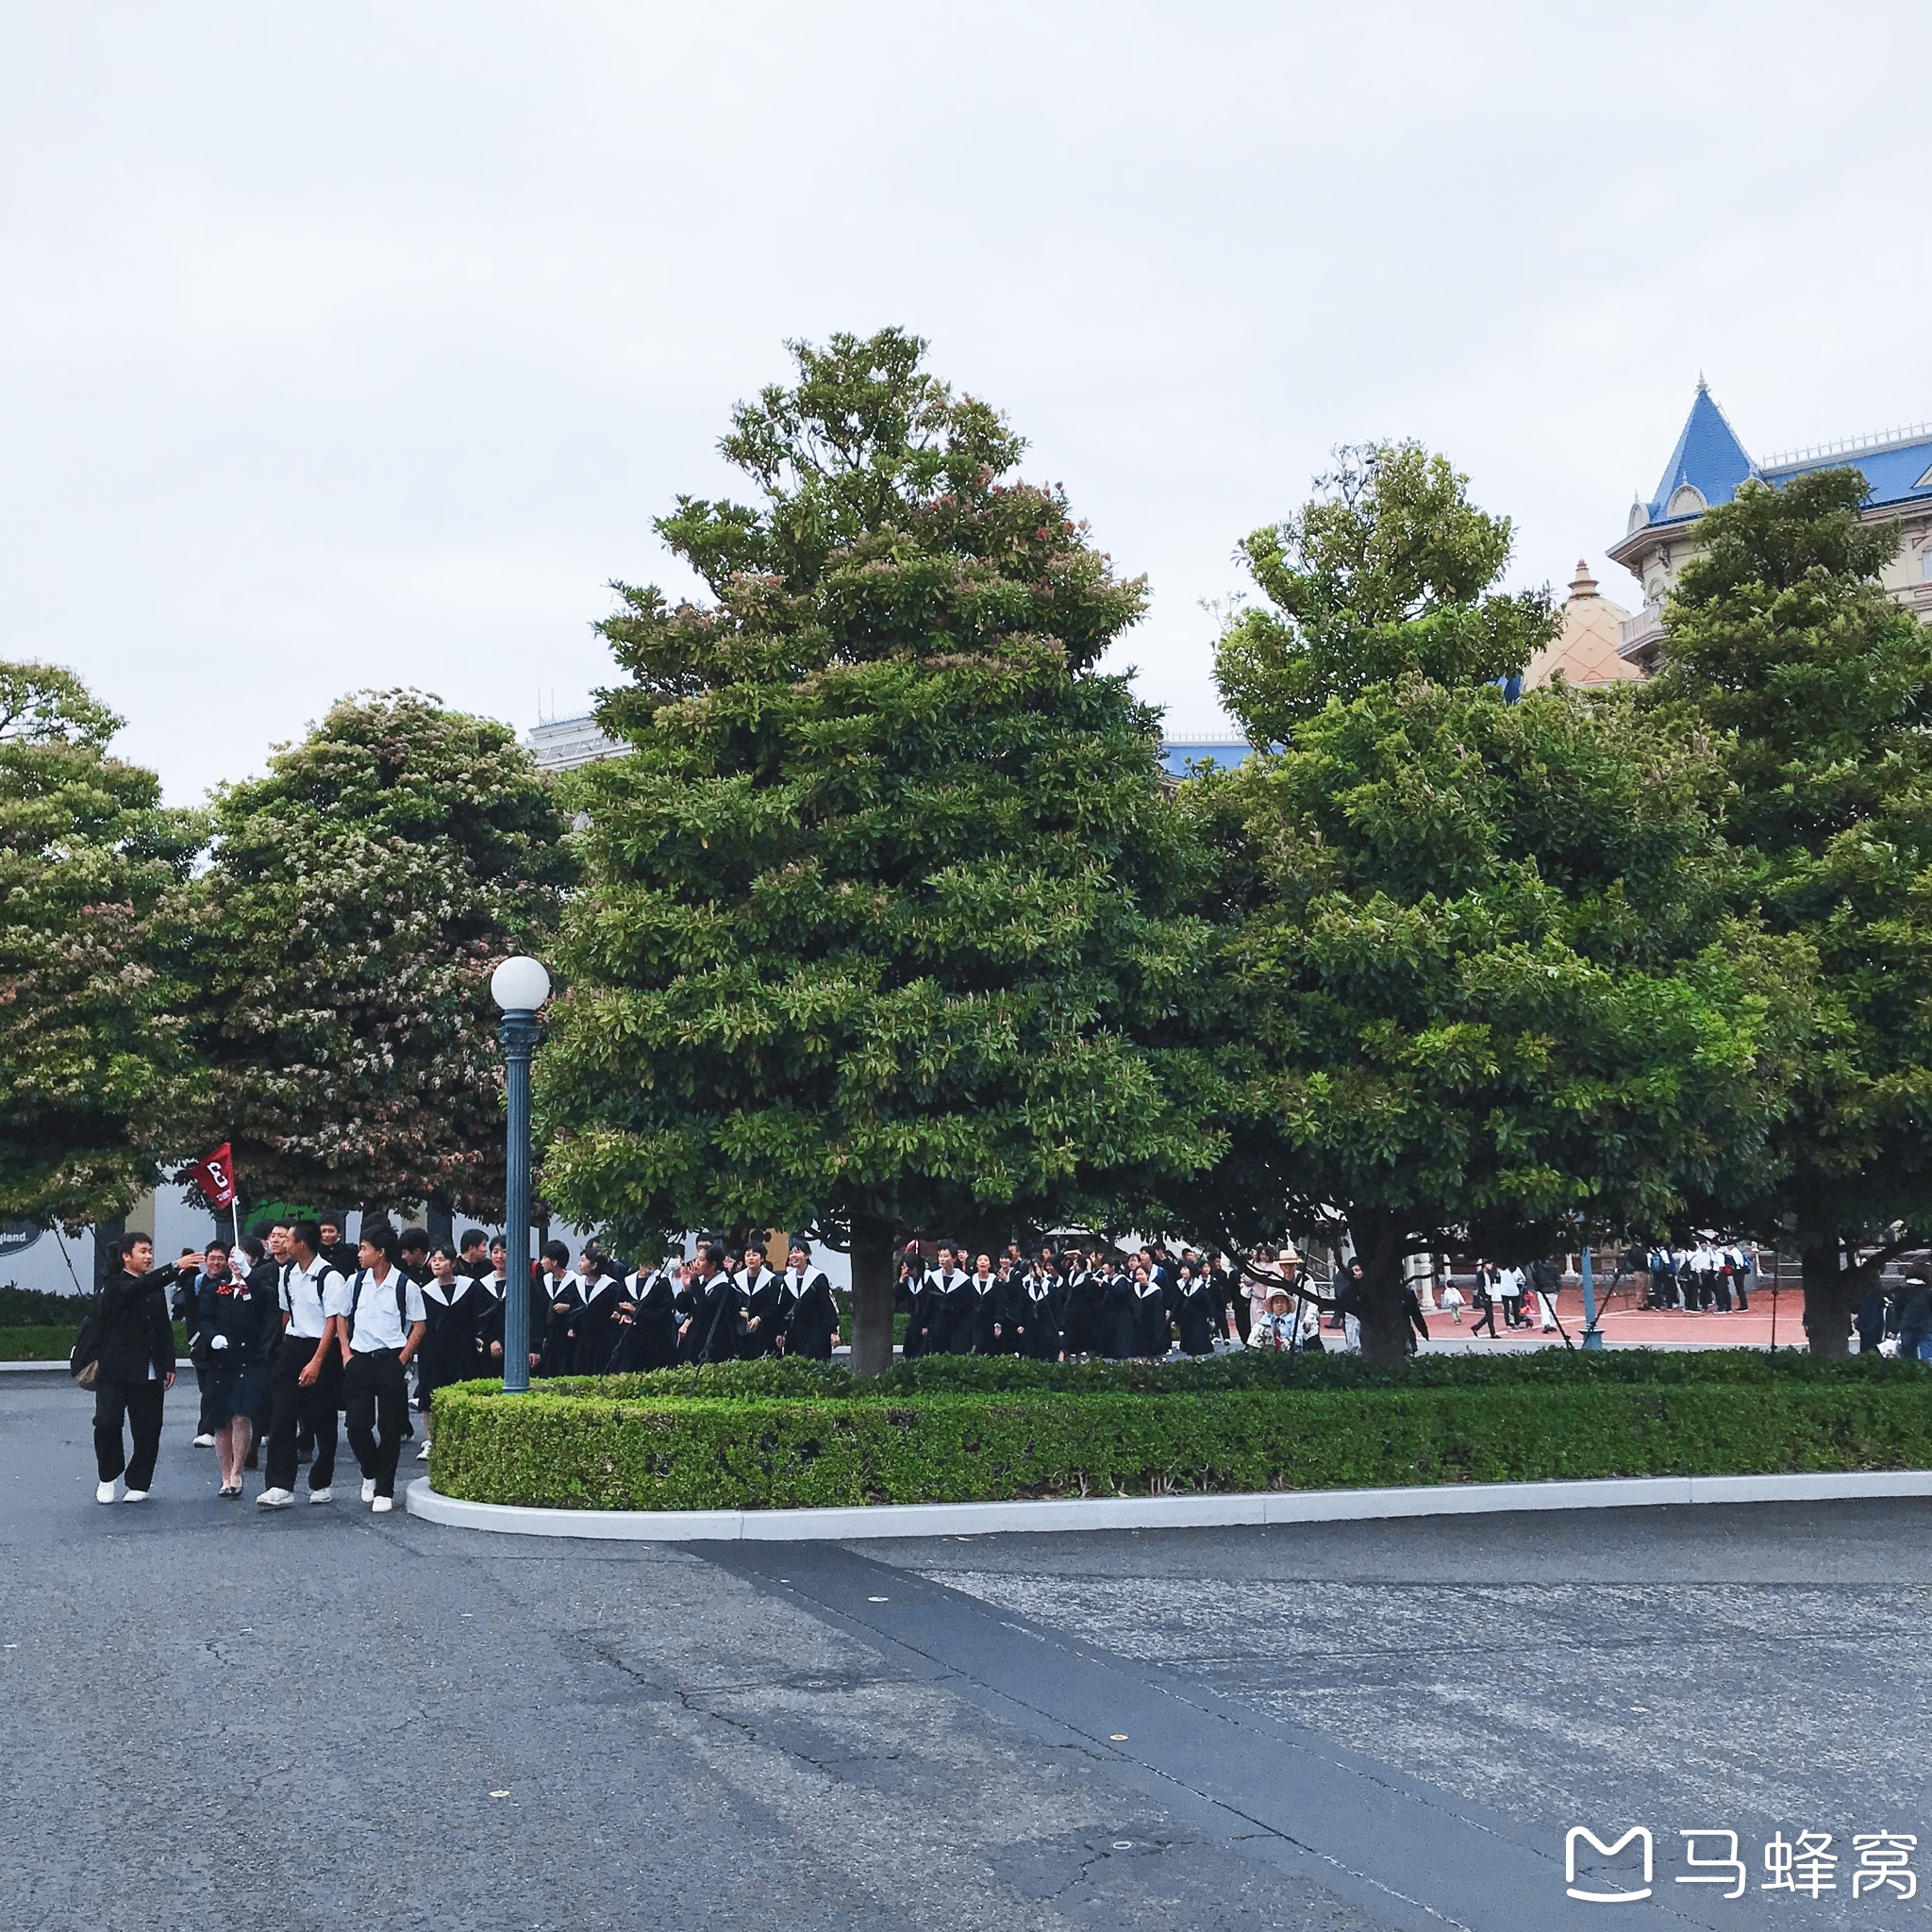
<point x="84" y="1362"/>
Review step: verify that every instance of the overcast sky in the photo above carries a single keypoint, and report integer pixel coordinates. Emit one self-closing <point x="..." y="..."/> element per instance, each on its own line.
<point x="358" y="345"/>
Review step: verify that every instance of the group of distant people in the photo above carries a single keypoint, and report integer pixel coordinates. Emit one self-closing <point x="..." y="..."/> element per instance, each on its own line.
<point x="1705" y="1278"/>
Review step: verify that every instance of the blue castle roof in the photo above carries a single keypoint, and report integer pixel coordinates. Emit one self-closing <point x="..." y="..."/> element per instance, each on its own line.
<point x="1712" y="459"/>
<point x="1708" y="457"/>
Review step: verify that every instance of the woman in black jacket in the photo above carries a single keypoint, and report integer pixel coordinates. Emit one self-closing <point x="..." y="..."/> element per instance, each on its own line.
<point x="137" y="1367"/>
<point x="811" y="1323"/>
<point x="232" y="1322"/>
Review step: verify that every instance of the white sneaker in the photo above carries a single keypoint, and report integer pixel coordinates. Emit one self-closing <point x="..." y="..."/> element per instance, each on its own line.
<point x="369" y="1489"/>
<point x="135" y="1496"/>
<point x="204" y="1441"/>
<point x="381" y="1506"/>
<point x="423" y="1453"/>
<point x="322" y="1495"/>
<point x="275" y="1499"/>
<point x="104" y="1493"/>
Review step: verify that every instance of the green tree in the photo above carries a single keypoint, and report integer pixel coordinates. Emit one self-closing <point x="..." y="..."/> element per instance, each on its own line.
<point x="93" y="1071"/>
<point x="1481" y="982"/>
<point x="360" y="897"/>
<point x="1780" y="636"/>
<point x="884" y="925"/>
<point x="1391" y="569"/>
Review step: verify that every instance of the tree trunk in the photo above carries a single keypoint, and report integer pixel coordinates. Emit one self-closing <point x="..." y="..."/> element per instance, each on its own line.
<point x="872" y="1298"/>
<point x="440" y="1223"/>
<point x="1832" y="1294"/>
<point x="1383" y="1313"/>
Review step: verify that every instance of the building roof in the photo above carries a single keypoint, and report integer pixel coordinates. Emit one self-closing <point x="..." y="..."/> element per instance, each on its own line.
<point x="1710" y="462"/>
<point x="1708" y="459"/>
<point x="1585" y="650"/>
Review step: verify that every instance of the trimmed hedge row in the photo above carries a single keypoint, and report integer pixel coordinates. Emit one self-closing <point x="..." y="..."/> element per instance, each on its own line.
<point x="606" y="1445"/>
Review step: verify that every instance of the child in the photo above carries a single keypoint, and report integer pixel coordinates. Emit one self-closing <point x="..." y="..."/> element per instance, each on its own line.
<point x="1451" y="1298"/>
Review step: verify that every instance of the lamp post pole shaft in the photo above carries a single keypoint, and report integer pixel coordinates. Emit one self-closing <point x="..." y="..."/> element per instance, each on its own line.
<point x="519" y="1038"/>
<point x="1593" y="1335"/>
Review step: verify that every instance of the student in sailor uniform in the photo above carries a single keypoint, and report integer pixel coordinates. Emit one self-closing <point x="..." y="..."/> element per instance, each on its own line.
<point x="688" y="1302"/>
<point x="647" y="1320"/>
<point x="1196" y="1304"/>
<point x="561" y="1301"/>
<point x="1082" y="1307"/>
<point x="498" y="1285"/>
<point x="592" y="1330"/>
<point x="763" y="1292"/>
<point x="955" y="1306"/>
<point x="1039" y="1328"/>
<point x="920" y="1307"/>
<point x="811" y="1317"/>
<point x="307" y="1377"/>
<point x="379" y="1337"/>
<point x="1149" y="1334"/>
<point x="720" y="1318"/>
<point x="452" y="1306"/>
<point x="232" y="1320"/>
<point x="1117" y="1307"/>
<point x="1010" y="1307"/>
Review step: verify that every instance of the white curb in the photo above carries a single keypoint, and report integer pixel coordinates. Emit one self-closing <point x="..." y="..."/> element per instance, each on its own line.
<point x="1151" y="1512"/>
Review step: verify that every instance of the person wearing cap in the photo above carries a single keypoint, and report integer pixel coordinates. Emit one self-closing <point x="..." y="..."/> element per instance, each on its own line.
<point x="1915" y="1320"/>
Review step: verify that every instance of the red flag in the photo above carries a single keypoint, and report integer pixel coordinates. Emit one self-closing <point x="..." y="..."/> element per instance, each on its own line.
<point x="215" y="1174"/>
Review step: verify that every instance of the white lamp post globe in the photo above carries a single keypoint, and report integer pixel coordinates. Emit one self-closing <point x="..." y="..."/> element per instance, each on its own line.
<point x="520" y="985"/>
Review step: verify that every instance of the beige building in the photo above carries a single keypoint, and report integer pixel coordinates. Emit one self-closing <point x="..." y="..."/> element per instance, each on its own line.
<point x="1708" y="466"/>
<point x="1586" y="650"/>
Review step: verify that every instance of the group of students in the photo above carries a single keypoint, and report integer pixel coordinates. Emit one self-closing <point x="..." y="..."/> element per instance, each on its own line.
<point x="1069" y="1302"/>
<point x="292" y="1330"/>
<point x="1709" y="1277"/>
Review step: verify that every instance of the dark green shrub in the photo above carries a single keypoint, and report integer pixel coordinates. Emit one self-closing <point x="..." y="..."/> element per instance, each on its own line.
<point x="774" y="1434"/>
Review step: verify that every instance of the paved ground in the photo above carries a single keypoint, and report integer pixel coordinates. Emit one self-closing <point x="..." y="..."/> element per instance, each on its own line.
<point x="213" y="1719"/>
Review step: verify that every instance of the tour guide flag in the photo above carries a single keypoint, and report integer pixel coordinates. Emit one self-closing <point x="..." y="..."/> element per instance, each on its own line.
<point x="215" y="1174"/>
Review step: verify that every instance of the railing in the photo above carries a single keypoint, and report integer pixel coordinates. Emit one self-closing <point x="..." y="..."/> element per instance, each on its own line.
<point x="1852" y="445"/>
<point x="1635" y="632"/>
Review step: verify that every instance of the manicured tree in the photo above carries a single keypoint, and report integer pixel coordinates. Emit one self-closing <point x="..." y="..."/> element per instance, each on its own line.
<point x="1780" y="635"/>
<point x="360" y="897"/>
<point x="883" y="927"/>
<point x="1480" y="985"/>
<point x="92" y="1069"/>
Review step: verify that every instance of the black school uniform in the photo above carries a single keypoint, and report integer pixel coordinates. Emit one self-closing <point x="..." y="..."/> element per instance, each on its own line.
<point x="955" y="1313"/>
<point x="1151" y="1331"/>
<point x="1116" y="1337"/>
<point x="920" y="1307"/>
<point x="1040" y="1336"/>
<point x="763" y="1293"/>
<point x="721" y="1315"/>
<point x="1083" y="1320"/>
<point x="1010" y="1314"/>
<point x="1196" y="1305"/>
<point x="686" y="1310"/>
<point x="593" y="1325"/>
<point x="449" y="1343"/>
<point x="811" y="1316"/>
<point x="647" y="1318"/>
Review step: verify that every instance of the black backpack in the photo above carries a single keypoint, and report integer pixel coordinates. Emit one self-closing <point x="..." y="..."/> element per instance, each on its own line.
<point x="403" y="1287"/>
<point x="84" y="1361"/>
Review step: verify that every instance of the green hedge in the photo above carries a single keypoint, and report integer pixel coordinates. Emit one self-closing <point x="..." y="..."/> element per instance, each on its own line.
<point x="45" y="1344"/>
<point x="633" y="1444"/>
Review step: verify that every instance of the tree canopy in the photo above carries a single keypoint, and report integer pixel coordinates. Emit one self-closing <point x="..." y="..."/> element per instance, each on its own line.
<point x="1781" y="636"/>
<point x="1390" y="569"/>
<point x="359" y="898"/>
<point x="93" y="1071"/>
<point x="1482" y="978"/>
<point x="885" y="926"/>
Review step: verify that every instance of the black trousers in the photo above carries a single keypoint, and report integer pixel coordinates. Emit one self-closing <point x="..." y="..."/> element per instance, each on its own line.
<point x="141" y="1403"/>
<point x="375" y="1392"/>
<point x="313" y="1406"/>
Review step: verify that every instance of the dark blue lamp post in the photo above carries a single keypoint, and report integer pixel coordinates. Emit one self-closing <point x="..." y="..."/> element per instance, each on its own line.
<point x="519" y="987"/>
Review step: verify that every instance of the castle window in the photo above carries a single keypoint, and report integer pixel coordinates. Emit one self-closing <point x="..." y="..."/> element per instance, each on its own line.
<point x="1925" y="563"/>
<point x="1687" y="500"/>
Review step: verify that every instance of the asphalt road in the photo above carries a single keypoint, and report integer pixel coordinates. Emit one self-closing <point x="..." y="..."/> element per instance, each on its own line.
<point x="213" y="1718"/>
